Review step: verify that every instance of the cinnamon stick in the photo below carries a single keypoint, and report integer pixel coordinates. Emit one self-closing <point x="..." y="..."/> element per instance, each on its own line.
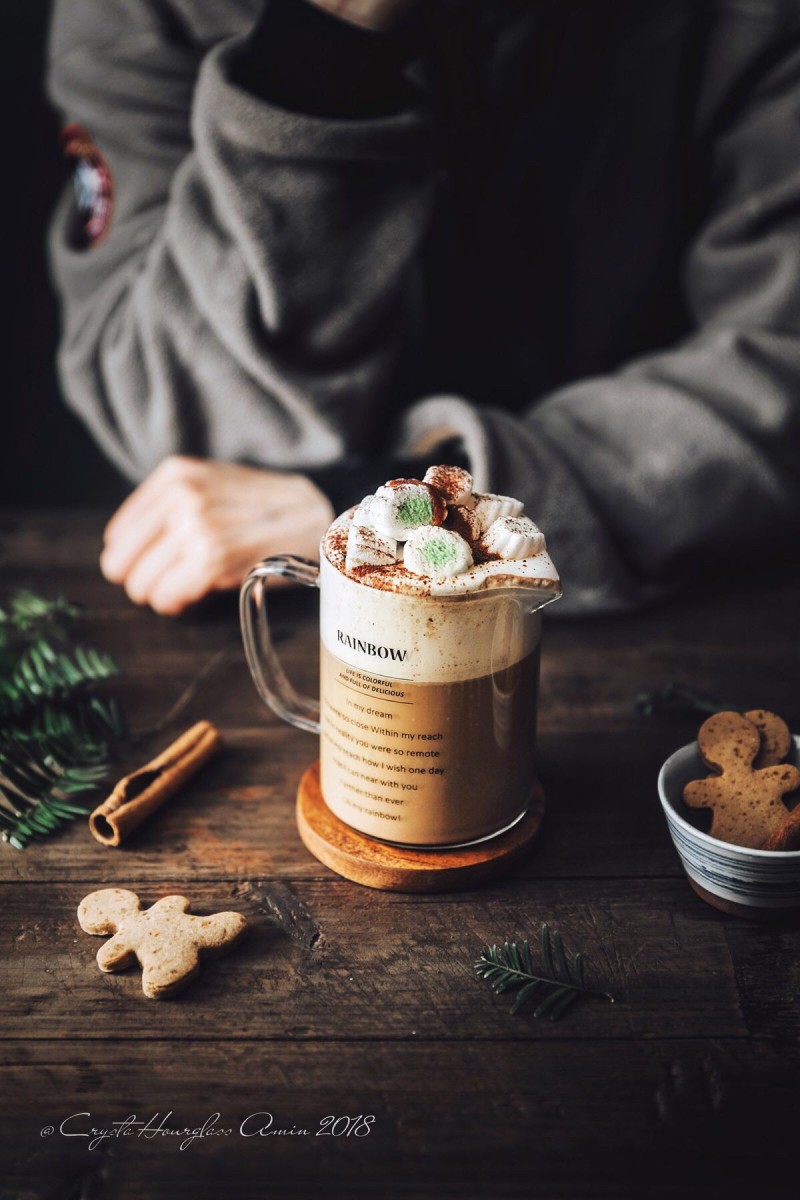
<point x="144" y="791"/>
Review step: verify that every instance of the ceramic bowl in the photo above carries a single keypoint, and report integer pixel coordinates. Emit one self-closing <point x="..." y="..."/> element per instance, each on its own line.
<point x="752" y="883"/>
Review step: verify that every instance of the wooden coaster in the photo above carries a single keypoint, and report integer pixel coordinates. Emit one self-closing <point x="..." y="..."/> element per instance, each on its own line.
<point x="394" y="869"/>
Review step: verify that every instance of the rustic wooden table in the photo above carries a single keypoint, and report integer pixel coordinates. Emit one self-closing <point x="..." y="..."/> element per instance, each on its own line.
<point x="348" y="1001"/>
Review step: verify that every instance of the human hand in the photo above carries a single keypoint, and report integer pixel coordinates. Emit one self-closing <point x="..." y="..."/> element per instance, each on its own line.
<point x="372" y="14"/>
<point x="196" y="526"/>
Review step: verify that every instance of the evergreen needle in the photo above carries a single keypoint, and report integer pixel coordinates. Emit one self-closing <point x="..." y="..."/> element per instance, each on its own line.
<point x="554" y="986"/>
<point x="58" y="733"/>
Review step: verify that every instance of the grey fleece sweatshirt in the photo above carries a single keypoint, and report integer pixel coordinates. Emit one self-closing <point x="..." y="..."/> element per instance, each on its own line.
<point x="620" y="342"/>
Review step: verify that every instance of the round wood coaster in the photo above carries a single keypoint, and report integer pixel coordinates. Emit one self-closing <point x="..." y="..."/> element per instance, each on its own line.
<point x="395" y="869"/>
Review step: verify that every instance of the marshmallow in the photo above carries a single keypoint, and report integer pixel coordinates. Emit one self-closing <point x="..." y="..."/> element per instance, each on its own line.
<point x="361" y="516"/>
<point x="488" y="507"/>
<point x="513" y="537"/>
<point x="436" y="552"/>
<point x="454" y="483"/>
<point x="403" y="505"/>
<point x="366" y="548"/>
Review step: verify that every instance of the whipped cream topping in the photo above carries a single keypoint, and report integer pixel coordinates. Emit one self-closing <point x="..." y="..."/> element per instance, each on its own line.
<point x="435" y="536"/>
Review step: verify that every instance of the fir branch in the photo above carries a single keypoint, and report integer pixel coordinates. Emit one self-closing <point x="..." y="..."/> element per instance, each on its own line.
<point x="554" y="986"/>
<point x="79" y="733"/>
<point x="42" y="672"/>
<point x="46" y="805"/>
<point x="58" y="733"/>
<point x="29" y="612"/>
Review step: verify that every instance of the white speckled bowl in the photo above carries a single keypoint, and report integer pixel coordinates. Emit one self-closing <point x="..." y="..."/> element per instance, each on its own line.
<point x="749" y="883"/>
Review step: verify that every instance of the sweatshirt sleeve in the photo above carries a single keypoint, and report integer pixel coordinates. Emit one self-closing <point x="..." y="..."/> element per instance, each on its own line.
<point x="256" y="289"/>
<point x="683" y="462"/>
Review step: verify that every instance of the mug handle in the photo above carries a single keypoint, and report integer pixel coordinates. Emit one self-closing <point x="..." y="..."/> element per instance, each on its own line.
<point x="268" y="674"/>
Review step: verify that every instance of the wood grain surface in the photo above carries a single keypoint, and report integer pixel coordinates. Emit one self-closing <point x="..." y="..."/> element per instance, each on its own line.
<point x="346" y="1001"/>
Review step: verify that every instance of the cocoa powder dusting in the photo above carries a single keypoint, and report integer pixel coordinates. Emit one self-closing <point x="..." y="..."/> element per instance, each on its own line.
<point x="462" y="520"/>
<point x="395" y="577"/>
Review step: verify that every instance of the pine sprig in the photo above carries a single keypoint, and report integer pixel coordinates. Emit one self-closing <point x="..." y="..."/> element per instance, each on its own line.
<point x="554" y="986"/>
<point x="37" y="801"/>
<point x="28" y="613"/>
<point x="80" y="733"/>
<point x="58" y="733"/>
<point x="43" y="672"/>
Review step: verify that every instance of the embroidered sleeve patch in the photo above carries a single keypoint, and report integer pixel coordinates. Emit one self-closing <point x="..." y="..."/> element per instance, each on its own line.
<point x="93" y="185"/>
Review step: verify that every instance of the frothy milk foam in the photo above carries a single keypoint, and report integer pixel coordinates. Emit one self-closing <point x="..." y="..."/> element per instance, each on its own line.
<point x="428" y="690"/>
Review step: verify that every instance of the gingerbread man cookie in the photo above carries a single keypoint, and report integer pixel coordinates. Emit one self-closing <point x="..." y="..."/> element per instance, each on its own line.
<point x="776" y="740"/>
<point x="747" y="804"/>
<point x="166" y="939"/>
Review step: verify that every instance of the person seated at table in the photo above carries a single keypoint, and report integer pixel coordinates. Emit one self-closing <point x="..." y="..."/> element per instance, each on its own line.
<point x="557" y="242"/>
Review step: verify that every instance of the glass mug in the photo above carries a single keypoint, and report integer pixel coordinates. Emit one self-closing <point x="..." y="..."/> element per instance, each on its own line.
<point x="427" y="711"/>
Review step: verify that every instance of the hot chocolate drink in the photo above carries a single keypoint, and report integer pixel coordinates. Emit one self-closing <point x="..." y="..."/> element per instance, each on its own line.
<point x="430" y="660"/>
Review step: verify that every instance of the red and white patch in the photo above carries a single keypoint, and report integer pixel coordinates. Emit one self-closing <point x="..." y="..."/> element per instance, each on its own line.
<point x="93" y="183"/>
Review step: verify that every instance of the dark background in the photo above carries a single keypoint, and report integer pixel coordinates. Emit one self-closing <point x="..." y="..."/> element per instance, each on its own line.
<point x="49" y="459"/>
